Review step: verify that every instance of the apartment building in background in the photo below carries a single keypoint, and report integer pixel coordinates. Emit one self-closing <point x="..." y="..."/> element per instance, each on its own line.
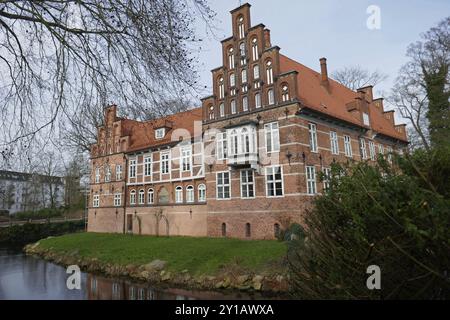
<point x="247" y="162"/>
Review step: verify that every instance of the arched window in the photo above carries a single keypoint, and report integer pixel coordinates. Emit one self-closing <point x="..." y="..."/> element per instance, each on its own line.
<point x="202" y="193"/>
<point x="245" y="140"/>
<point x="285" y="93"/>
<point x="224" y="229"/>
<point x="276" y="230"/>
<point x="190" y="194"/>
<point x="258" y="100"/>
<point x="255" y="54"/>
<point x="245" y="103"/>
<point x="141" y="196"/>
<point x="233" y="106"/>
<point x="248" y="230"/>
<point x="150" y="196"/>
<point x="232" y="80"/>
<point x="270" y="97"/>
<point x="269" y="72"/>
<point x="179" y="194"/>
<point x="221" y="88"/>
<point x="231" y="58"/>
<point x="133" y="197"/>
<point x="211" y="113"/>
<point x="244" y="76"/>
<point x="163" y="196"/>
<point x="241" y="27"/>
<point x="234" y="142"/>
<point x="222" y="110"/>
<point x="256" y="71"/>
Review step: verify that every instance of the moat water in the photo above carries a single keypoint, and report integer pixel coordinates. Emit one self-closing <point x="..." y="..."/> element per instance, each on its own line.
<point x="24" y="277"/>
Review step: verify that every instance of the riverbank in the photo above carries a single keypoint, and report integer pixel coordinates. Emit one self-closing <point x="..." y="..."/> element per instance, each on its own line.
<point x="192" y="263"/>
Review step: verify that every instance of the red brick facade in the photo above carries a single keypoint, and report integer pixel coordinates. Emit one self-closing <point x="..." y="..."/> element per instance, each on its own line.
<point x="247" y="163"/>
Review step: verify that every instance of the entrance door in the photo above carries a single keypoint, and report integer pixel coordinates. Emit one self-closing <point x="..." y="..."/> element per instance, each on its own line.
<point x="129" y="223"/>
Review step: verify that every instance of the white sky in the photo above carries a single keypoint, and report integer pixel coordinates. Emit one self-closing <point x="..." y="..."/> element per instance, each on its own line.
<point x="308" y="30"/>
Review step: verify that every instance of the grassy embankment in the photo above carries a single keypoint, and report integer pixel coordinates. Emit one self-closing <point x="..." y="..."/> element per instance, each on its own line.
<point x="198" y="255"/>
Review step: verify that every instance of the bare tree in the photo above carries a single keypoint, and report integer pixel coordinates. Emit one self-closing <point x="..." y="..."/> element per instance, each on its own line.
<point x="58" y="59"/>
<point x="355" y="77"/>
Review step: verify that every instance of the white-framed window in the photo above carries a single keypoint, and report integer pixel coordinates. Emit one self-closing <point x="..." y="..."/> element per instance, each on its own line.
<point x="179" y="194"/>
<point x="244" y="76"/>
<point x="362" y="145"/>
<point x="190" y="194"/>
<point x="211" y="113"/>
<point x="274" y="181"/>
<point x="222" y="110"/>
<point x="186" y="158"/>
<point x="117" y="200"/>
<point x="201" y="193"/>
<point x="223" y="185"/>
<point x="245" y="141"/>
<point x="245" y="103"/>
<point x="272" y="137"/>
<point x="313" y="137"/>
<point x="231" y="58"/>
<point x="255" y="54"/>
<point x="334" y="142"/>
<point x="326" y="178"/>
<point x="141" y="196"/>
<point x="256" y="72"/>
<point x="221" y="146"/>
<point x="233" y="106"/>
<point x="241" y="28"/>
<point x="97" y="175"/>
<point x="380" y="149"/>
<point x="150" y="196"/>
<point x="257" y="100"/>
<point x="372" y="150"/>
<point x="96" y="201"/>
<point x="165" y="162"/>
<point x="107" y="173"/>
<point x="133" y="197"/>
<point x="221" y="88"/>
<point x="366" y="119"/>
<point x="270" y="97"/>
<point x="389" y="154"/>
<point x="160" y="133"/>
<point x="348" y="146"/>
<point x="118" y="172"/>
<point x="232" y="80"/>
<point x="311" y="188"/>
<point x="234" y="143"/>
<point x="285" y="93"/>
<point x="247" y="184"/>
<point x="132" y="169"/>
<point x="148" y="166"/>
<point x="269" y="72"/>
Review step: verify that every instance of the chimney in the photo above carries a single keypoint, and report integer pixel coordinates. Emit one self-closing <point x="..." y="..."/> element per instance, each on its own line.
<point x="324" y="71"/>
<point x="267" y="43"/>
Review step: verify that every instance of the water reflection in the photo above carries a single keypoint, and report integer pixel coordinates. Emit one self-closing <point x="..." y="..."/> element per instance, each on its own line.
<point x="27" y="278"/>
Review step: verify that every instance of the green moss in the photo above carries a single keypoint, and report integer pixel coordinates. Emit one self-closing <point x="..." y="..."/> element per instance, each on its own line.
<point x="198" y="255"/>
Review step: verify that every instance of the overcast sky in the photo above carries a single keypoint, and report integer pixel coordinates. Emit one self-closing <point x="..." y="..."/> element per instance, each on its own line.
<point x="337" y="30"/>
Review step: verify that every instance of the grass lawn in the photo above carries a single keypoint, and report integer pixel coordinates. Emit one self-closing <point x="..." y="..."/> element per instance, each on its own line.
<point x="198" y="255"/>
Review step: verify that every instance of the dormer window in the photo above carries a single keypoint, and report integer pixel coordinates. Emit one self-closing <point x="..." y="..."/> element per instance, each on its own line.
<point x="160" y="133"/>
<point x="366" y="119"/>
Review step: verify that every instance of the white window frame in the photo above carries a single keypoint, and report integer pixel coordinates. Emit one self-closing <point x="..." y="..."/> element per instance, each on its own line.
<point x="132" y="168"/>
<point x="245" y="186"/>
<point x="312" y="128"/>
<point x="222" y="110"/>
<point x="179" y="194"/>
<point x="160" y="133"/>
<point x="186" y="159"/>
<point x="141" y="196"/>
<point x="148" y="164"/>
<point x="163" y="168"/>
<point x="97" y="175"/>
<point x="272" y="132"/>
<point x="372" y="151"/>
<point x="233" y="107"/>
<point x="269" y="73"/>
<point x="258" y="100"/>
<point x="326" y="178"/>
<point x="221" y="146"/>
<point x="231" y="58"/>
<point x="221" y="88"/>
<point x="223" y="185"/>
<point x="118" y="172"/>
<point x="270" y="97"/>
<point x="334" y="143"/>
<point x="132" y="197"/>
<point x="241" y="29"/>
<point x="232" y="80"/>
<point x="389" y="154"/>
<point x="117" y="199"/>
<point x="256" y="73"/>
<point x="366" y="119"/>
<point x="311" y="183"/>
<point x="255" y="53"/>
<point x="245" y="103"/>
<point x="107" y="173"/>
<point x="190" y="194"/>
<point x="274" y="181"/>
<point x="362" y="146"/>
<point x="96" y="201"/>
<point x="348" y="146"/>
<point x="201" y="192"/>
<point x="244" y="77"/>
<point x="150" y="196"/>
